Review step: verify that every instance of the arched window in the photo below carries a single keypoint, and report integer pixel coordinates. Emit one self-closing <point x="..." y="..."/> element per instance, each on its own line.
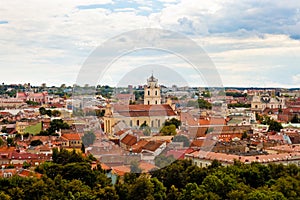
<point x="156" y="93"/>
<point x="155" y="102"/>
<point x="137" y="122"/>
<point x="148" y="92"/>
<point x="148" y="102"/>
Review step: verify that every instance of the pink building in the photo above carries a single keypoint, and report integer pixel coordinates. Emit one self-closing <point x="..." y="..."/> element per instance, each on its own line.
<point x="41" y="97"/>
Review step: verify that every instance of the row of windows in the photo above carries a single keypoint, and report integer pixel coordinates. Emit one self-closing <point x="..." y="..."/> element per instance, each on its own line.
<point x="138" y="123"/>
<point x="156" y="93"/>
<point x="149" y="102"/>
<point x="75" y="142"/>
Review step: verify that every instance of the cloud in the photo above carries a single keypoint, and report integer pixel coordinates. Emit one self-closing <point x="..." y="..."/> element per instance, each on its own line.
<point x="246" y="39"/>
<point x="296" y="79"/>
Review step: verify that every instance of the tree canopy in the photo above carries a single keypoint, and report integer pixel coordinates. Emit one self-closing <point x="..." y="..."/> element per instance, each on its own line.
<point x="70" y="176"/>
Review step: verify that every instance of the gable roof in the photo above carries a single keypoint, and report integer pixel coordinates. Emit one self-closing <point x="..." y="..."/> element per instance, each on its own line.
<point x="129" y="140"/>
<point x="71" y="136"/>
<point x="153" y="145"/>
<point x="143" y="110"/>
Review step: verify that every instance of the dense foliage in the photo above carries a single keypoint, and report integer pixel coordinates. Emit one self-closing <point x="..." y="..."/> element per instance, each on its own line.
<point x="55" y="125"/>
<point x="273" y="125"/>
<point x="88" y="138"/>
<point x="239" y="105"/>
<point x="200" y="103"/>
<point x="70" y="176"/>
<point x="236" y="94"/>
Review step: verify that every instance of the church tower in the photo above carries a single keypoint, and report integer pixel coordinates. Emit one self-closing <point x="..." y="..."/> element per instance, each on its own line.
<point x="152" y="92"/>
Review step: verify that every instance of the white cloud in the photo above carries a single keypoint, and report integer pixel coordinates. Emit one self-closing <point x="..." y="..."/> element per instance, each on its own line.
<point x="296" y="79"/>
<point x="53" y="38"/>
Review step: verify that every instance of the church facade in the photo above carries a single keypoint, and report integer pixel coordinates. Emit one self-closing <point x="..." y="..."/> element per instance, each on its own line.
<point x="265" y="100"/>
<point x="152" y="112"/>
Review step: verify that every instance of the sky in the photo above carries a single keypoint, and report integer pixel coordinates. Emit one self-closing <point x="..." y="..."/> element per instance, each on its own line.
<point x="251" y="43"/>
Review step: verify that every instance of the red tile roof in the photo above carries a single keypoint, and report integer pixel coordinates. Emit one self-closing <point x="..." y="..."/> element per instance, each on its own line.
<point x="188" y="119"/>
<point x="212" y="121"/>
<point x="143" y="110"/>
<point x="71" y="136"/>
<point x="146" y="167"/>
<point x="129" y="140"/>
<point x="137" y="148"/>
<point x="121" y="170"/>
<point x="28" y="173"/>
<point x="229" y="158"/>
<point x="153" y="145"/>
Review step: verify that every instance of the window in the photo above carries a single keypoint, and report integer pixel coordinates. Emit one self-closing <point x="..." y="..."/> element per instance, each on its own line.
<point x="130" y="123"/>
<point x="137" y="122"/>
<point x="152" y="123"/>
<point x="148" y="92"/>
<point x="156" y="93"/>
<point x="155" y="102"/>
<point x="148" y="102"/>
<point x="158" y="123"/>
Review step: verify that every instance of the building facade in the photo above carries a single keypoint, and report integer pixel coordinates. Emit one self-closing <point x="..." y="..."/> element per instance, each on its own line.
<point x="152" y="94"/>
<point x="152" y="112"/>
<point x="263" y="101"/>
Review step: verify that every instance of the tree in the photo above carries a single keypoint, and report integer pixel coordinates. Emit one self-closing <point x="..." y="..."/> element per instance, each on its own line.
<point x="168" y="130"/>
<point x="143" y="188"/>
<point x="273" y="125"/>
<point x="183" y="139"/>
<point x="57" y="124"/>
<point x="10" y="142"/>
<point x="82" y="148"/>
<point x="159" y="189"/>
<point x="295" y="119"/>
<point x="88" y="138"/>
<point x="146" y="129"/>
<point x="203" y="104"/>
<point x="174" y="121"/>
<point x="1" y="142"/>
<point x="42" y="111"/>
<point x="49" y="113"/>
<point x="26" y="165"/>
<point x="134" y="167"/>
<point x="55" y="113"/>
<point x="213" y="184"/>
<point x="245" y="135"/>
<point x="4" y="130"/>
<point x="4" y="196"/>
<point x="163" y="161"/>
<point x="36" y="142"/>
<point x="173" y="193"/>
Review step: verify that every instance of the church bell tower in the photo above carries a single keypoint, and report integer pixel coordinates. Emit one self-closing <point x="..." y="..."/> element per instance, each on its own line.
<point x="152" y="92"/>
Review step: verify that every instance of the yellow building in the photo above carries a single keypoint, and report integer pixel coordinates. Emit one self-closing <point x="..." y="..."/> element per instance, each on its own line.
<point x="153" y="113"/>
<point x="135" y="115"/>
<point x="20" y="127"/>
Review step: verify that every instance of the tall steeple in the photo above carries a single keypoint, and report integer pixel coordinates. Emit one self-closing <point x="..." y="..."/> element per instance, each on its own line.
<point x="152" y="91"/>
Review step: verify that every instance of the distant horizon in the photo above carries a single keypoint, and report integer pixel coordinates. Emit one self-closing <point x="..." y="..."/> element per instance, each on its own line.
<point x="168" y="86"/>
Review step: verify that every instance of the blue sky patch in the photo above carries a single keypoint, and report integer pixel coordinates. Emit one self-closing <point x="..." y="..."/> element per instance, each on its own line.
<point x="3" y="22"/>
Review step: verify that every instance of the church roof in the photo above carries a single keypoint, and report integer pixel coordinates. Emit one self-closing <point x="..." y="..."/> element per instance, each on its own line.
<point x="143" y="110"/>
